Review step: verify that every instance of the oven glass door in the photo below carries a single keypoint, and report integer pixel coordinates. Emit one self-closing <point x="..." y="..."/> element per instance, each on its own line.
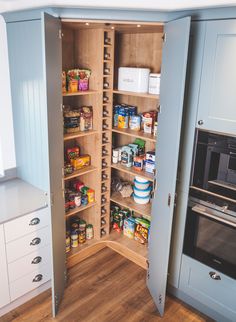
<point x="211" y="240"/>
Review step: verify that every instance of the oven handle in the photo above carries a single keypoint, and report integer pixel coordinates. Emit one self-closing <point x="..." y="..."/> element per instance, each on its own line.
<point x="207" y="214"/>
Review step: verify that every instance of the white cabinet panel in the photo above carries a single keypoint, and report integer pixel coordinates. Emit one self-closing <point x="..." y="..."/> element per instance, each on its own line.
<point x="26" y="224"/>
<point x="28" y="244"/>
<point x="29" y="282"/>
<point x="217" y="99"/>
<point x="4" y="287"/>
<point x="29" y="263"/>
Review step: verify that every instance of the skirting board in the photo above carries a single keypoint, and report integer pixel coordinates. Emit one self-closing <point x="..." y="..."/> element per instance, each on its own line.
<point x="197" y="305"/>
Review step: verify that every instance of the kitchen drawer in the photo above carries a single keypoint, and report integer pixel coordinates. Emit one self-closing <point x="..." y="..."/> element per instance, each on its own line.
<point x="27" y="224"/>
<point x="29" y="263"/>
<point x="219" y="295"/>
<point x="28" y="244"/>
<point x="29" y="282"/>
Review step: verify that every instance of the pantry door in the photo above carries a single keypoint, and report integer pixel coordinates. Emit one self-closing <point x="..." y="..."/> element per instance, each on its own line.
<point x="173" y="72"/>
<point x="52" y="51"/>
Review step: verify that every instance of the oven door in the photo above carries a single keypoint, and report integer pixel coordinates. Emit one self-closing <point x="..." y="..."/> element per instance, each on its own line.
<point x="210" y="237"/>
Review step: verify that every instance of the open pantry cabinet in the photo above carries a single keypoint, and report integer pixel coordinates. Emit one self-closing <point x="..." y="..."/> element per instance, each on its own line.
<point x="103" y="47"/>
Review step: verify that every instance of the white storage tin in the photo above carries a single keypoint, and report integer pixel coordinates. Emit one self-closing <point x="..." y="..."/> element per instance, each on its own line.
<point x="133" y="79"/>
<point x="154" y="84"/>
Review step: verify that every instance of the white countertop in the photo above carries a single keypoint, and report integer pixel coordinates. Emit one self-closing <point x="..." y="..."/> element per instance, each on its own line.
<point x="18" y="198"/>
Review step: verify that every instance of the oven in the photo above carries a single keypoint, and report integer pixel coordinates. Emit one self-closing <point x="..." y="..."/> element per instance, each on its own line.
<point x="210" y="234"/>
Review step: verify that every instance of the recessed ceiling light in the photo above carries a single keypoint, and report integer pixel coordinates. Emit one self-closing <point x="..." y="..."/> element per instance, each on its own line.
<point x="112" y="27"/>
<point x="138" y="26"/>
<point x="87" y="23"/>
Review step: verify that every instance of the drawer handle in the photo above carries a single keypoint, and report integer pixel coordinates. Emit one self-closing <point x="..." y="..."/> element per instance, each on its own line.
<point x="36" y="260"/>
<point x="215" y="276"/>
<point x="38" y="278"/>
<point x="34" y="221"/>
<point x="35" y="241"/>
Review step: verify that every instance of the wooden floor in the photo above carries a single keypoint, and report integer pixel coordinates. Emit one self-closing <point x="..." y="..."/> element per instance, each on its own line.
<point x="104" y="288"/>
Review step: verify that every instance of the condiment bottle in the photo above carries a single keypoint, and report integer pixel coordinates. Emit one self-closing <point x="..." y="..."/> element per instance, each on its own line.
<point x="103" y="211"/>
<point x="103" y="232"/>
<point x="103" y="199"/>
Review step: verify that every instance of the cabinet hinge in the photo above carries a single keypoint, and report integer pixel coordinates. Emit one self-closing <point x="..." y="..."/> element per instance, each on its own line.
<point x="175" y="202"/>
<point x="164" y="37"/>
<point x="169" y="199"/>
<point x="60" y="34"/>
<point x="52" y="199"/>
<point x="160" y="299"/>
<point x="62" y="107"/>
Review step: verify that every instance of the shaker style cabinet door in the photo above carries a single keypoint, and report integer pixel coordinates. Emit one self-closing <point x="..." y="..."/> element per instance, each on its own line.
<point x="53" y="67"/>
<point x="173" y="72"/>
<point x="217" y="100"/>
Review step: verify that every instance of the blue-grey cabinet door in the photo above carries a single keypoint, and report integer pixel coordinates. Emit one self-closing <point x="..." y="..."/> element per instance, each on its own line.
<point x="217" y="98"/>
<point x="53" y="66"/>
<point x="173" y="72"/>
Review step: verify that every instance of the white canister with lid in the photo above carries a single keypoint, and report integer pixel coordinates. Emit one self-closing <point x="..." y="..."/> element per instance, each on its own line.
<point x="154" y="83"/>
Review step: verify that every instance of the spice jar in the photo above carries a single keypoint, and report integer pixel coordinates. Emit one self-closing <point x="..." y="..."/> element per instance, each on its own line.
<point x="82" y="237"/>
<point x="74" y="238"/>
<point x="84" y="200"/>
<point x="67" y="242"/>
<point x="89" y="232"/>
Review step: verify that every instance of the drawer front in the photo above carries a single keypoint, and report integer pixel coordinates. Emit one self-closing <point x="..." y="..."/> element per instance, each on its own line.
<point x="4" y="286"/>
<point x="28" y="244"/>
<point x="29" y="263"/>
<point x="219" y="295"/>
<point x="29" y="282"/>
<point x="26" y="224"/>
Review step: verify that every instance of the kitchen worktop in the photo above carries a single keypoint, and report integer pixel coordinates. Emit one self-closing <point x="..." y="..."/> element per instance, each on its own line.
<point x="18" y="198"/>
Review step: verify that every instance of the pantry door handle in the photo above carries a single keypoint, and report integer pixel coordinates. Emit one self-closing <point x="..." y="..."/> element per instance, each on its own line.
<point x="35" y="241"/>
<point x="34" y="221"/>
<point x="215" y="276"/>
<point x="38" y="278"/>
<point x="37" y="260"/>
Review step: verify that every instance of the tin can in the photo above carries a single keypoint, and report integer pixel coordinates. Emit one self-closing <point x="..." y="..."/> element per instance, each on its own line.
<point x="74" y="239"/>
<point x="84" y="190"/>
<point x="84" y="200"/>
<point x="77" y="199"/>
<point x="155" y="129"/>
<point x="67" y="243"/>
<point x="82" y="225"/>
<point x="91" y="195"/>
<point x="89" y="232"/>
<point x="82" y="236"/>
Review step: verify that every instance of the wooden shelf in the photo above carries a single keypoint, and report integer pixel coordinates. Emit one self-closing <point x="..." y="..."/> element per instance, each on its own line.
<point x="135" y="134"/>
<point x="80" y="172"/>
<point x="79" y="209"/>
<point x="107" y="60"/>
<point x="108" y="45"/>
<point x="144" y="210"/>
<point x="79" y="93"/>
<point x="75" y="135"/>
<point x="121" y="244"/>
<point x="133" y="172"/>
<point x="130" y="248"/>
<point x="145" y="95"/>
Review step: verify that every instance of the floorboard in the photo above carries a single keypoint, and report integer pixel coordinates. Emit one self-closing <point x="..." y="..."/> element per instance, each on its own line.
<point x="105" y="287"/>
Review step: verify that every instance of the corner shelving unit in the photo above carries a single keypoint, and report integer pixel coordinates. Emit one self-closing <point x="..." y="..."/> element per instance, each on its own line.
<point x="103" y="49"/>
